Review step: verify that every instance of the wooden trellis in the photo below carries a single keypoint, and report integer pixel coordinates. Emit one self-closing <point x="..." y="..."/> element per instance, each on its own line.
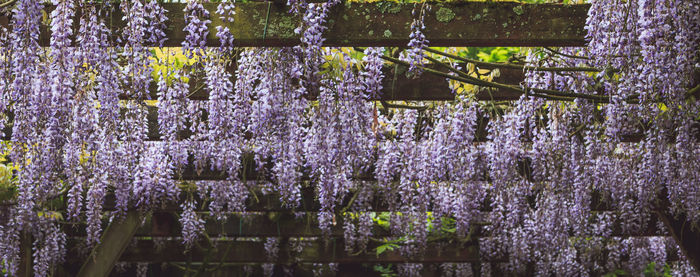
<point x="270" y="24"/>
<point x="267" y="24"/>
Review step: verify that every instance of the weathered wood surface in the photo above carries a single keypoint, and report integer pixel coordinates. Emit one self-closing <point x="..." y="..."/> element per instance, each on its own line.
<point x="286" y="224"/>
<point x="266" y="24"/>
<point x="216" y="269"/>
<point x="686" y="234"/>
<point x="314" y="251"/>
<point x="25" y="253"/>
<point x="398" y="86"/>
<point x="297" y="270"/>
<point x="271" y="202"/>
<point x="317" y="251"/>
<point x="480" y="136"/>
<point x="115" y="239"/>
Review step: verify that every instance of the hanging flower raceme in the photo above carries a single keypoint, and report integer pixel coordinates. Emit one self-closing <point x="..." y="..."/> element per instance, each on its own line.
<point x="197" y="18"/>
<point x="464" y="167"/>
<point x="373" y="75"/>
<point x="357" y="228"/>
<point x="39" y="130"/>
<point x="272" y="248"/>
<point x="338" y="143"/>
<point x="276" y="116"/>
<point x="227" y="121"/>
<point x="133" y="125"/>
<point x="153" y="184"/>
<point x="155" y="30"/>
<point x="415" y="55"/>
<point x="79" y="112"/>
<point x="5" y="71"/>
<point x="106" y="132"/>
<point x="226" y="11"/>
<point x="192" y="225"/>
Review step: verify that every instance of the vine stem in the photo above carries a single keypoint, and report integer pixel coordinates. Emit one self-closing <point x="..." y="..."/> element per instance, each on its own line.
<point x="509" y="87"/>
<point x="566" y="55"/>
<point x="463" y="77"/>
<point x="398" y="106"/>
<point x="352" y="200"/>
<point x="7" y="4"/>
<point x="692" y="91"/>
<point x="511" y="65"/>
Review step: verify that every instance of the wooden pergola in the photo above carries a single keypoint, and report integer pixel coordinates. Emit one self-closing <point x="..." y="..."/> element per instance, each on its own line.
<point x="269" y="24"/>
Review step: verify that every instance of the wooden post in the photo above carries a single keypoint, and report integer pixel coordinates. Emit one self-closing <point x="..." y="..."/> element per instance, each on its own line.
<point x="114" y="241"/>
<point x="25" y="252"/>
<point x="686" y="237"/>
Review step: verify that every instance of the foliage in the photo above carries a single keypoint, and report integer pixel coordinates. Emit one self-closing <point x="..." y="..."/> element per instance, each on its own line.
<point x="385" y="270"/>
<point x="8" y="189"/>
<point x="649" y="271"/>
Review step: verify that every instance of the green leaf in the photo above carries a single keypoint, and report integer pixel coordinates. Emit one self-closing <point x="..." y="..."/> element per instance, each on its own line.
<point x="381" y="249"/>
<point x="389" y="246"/>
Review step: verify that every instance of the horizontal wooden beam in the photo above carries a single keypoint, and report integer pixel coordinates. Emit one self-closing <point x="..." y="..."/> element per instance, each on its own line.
<point x="386" y="23"/>
<point x="216" y="269"/>
<point x="480" y="136"/>
<point x="253" y="251"/>
<point x="272" y="224"/>
<point x="287" y="224"/>
<point x="271" y="202"/>
<point x="398" y="86"/>
<point x="313" y="251"/>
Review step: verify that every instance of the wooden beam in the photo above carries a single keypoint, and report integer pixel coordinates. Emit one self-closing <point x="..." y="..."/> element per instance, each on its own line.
<point x="397" y="86"/>
<point x="316" y="251"/>
<point x="115" y="239"/>
<point x="682" y="230"/>
<point x="296" y="270"/>
<point x="270" y="202"/>
<point x="480" y="136"/>
<point x="287" y="224"/>
<point x="385" y="23"/>
<point x="687" y="237"/>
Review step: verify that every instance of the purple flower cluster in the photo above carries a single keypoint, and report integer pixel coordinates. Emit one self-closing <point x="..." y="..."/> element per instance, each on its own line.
<point x="456" y="269"/>
<point x="653" y="62"/>
<point x="156" y="18"/>
<point x="311" y="30"/>
<point x="153" y="185"/>
<point x="227" y="118"/>
<point x="272" y="248"/>
<point x="192" y="224"/>
<point x="415" y="54"/>
<point x="276" y="116"/>
<point x="357" y="225"/>
<point x="373" y="75"/>
<point x="224" y="196"/>
<point x="172" y="104"/>
<point x="543" y="161"/>
<point x="226" y="11"/>
<point x="197" y="19"/>
<point x="338" y="143"/>
<point x="134" y="36"/>
<point x="48" y="247"/>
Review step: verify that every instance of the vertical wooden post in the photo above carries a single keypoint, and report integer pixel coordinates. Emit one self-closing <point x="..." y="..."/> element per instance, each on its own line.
<point x="113" y="243"/>
<point x="25" y="252"/>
